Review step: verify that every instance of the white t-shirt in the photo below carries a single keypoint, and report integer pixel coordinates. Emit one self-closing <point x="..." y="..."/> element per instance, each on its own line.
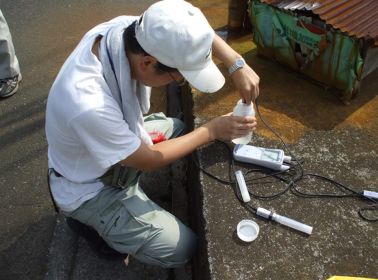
<point x="85" y="128"/>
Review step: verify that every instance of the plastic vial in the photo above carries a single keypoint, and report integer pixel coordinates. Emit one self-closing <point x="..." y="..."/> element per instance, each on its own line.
<point x="243" y="109"/>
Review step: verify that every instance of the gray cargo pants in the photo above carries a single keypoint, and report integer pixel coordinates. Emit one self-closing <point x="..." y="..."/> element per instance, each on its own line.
<point x="131" y="223"/>
<point x="9" y="66"/>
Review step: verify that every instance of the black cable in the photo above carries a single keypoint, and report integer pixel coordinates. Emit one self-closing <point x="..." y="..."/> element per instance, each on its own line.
<point x="291" y="178"/>
<point x="231" y="177"/>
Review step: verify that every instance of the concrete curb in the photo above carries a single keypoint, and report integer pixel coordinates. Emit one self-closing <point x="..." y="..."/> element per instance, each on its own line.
<point x="71" y="258"/>
<point x="62" y="251"/>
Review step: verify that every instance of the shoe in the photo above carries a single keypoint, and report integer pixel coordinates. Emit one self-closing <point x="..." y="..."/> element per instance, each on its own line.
<point x="95" y="241"/>
<point x="9" y="86"/>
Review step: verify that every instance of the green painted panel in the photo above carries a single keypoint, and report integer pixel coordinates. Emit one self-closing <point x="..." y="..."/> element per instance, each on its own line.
<point x="330" y="57"/>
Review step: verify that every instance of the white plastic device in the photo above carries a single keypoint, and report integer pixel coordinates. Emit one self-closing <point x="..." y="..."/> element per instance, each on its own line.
<point x="287" y="159"/>
<point x="242" y="186"/>
<point x="243" y="109"/>
<point x="284" y="220"/>
<point x="371" y="194"/>
<point x="270" y="158"/>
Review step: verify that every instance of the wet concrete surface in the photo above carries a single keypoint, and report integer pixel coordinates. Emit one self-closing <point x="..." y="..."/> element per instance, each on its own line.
<point x="333" y="139"/>
<point x="290" y="102"/>
<point x="293" y="103"/>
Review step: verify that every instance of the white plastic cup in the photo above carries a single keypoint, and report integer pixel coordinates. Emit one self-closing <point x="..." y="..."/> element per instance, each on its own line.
<point x="243" y="109"/>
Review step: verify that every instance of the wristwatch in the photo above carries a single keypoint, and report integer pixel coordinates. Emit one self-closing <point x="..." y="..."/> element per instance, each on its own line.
<point x="238" y="64"/>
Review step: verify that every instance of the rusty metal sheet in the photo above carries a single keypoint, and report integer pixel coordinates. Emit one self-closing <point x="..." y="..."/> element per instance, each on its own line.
<point x="357" y="18"/>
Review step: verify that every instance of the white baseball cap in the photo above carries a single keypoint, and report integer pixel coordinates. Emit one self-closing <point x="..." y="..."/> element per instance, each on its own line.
<point x="178" y="35"/>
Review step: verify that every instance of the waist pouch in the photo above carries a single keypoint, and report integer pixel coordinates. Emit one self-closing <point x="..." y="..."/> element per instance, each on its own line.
<point x="120" y="176"/>
<point x="116" y="176"/>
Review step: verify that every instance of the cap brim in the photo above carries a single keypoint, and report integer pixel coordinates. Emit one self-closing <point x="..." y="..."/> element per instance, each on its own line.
<point x="208" y="79"/>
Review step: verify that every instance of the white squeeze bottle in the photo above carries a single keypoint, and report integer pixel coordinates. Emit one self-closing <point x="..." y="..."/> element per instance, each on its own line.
<point x="243" y="109"/>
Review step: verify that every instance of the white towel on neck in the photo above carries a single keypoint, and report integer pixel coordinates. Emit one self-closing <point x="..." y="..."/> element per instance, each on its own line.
<point x="132" y="97"/>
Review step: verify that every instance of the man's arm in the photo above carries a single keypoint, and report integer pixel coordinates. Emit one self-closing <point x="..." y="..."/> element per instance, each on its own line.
<point x="225" y="127"/>
<point x="246" y="80"/>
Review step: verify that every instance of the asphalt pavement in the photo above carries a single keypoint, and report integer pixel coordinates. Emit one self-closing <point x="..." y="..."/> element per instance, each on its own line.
<point x="44" y="33"/>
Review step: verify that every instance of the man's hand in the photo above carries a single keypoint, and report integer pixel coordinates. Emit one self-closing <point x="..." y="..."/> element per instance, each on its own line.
<point x="228" y="127"/>
<point x="245" y="79"/>
<point x="247" y="82"/>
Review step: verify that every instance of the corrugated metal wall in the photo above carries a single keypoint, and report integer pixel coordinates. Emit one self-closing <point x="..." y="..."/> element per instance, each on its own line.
<point x="293" y="33"/>
<point x="358" y="18"/>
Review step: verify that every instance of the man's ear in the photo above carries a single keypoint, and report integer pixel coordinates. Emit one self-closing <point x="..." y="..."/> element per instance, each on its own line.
<point x="147" y="63"/>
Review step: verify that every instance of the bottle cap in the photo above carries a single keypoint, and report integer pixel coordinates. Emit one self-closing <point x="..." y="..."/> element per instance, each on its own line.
<point x="247" y="230"/>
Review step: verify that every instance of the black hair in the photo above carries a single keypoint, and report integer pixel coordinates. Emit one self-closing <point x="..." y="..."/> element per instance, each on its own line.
<point x="132" y="44"/>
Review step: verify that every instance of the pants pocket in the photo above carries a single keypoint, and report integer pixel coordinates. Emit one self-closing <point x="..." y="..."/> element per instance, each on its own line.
<point x="124" y="230"/>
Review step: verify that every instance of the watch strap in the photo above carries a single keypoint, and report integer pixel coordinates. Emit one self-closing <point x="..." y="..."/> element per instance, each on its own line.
<point x="238" y="64"/>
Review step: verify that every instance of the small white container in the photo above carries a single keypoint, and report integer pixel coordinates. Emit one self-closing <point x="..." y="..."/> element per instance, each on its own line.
<point x="243" y="109"/>
<point x="247" y="230"/>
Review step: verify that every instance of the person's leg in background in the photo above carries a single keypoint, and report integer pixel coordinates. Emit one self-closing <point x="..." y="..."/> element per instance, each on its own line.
<point x="10" y="74"/>
<point x="157" y="124"/>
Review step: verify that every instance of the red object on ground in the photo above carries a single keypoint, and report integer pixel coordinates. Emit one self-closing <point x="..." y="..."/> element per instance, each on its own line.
<point x="157" y="137"/>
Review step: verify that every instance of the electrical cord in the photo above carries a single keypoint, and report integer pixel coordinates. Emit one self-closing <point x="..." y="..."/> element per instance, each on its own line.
<point x="290" y="179"/>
